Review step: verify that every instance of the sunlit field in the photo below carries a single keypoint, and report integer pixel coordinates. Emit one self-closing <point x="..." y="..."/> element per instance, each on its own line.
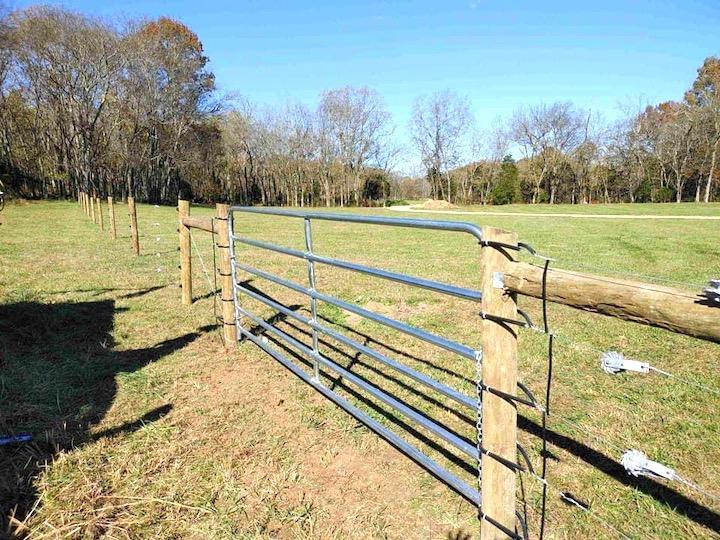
<point x="144" y="427"/>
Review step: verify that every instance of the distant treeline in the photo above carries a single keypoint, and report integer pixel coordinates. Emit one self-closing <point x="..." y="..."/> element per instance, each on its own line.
<point x="86" y="104"/>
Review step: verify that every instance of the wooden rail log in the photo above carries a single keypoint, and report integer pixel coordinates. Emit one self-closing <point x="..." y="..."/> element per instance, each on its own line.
<point x="205" y="224"/>
<point x="653" y="305"/>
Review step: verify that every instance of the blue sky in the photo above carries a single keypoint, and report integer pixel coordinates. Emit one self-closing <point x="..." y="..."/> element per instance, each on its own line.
<point x="501" y="55"/>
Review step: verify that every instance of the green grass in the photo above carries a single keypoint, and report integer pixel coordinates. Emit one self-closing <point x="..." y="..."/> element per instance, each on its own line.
<point x="663" y="209"/>
<point x="152" y="431"/>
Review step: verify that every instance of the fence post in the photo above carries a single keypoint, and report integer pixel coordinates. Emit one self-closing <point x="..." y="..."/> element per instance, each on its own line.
<point x="185" y="253"/>
<point x="92" y="208"/>
<point x="227" y="294"/>
<point x="499" y="371"/>
<point x="133" y="225"/>
<point x="111" y="217"/>
<point x="100" y="213"/>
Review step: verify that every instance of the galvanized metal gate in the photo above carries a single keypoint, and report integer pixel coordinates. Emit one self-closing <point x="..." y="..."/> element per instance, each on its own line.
<point x="317" y="359"/>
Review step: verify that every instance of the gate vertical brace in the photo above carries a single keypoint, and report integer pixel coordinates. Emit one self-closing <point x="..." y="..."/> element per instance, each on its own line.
<point x="233" y="275"/>
<point x="313" y="300"/>
<point x="185" y="253"/>
<point x="227" y="288"/>
<point x="499" y="371"/>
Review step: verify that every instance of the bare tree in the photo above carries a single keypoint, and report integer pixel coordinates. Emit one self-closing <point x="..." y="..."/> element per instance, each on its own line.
<point x="439" y="125"/>
<point x="546" y="134"/>
<point x="356" y="126"/>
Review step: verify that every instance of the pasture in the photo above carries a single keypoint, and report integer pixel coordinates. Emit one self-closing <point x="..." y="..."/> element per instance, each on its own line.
<point x="145" y="427"/>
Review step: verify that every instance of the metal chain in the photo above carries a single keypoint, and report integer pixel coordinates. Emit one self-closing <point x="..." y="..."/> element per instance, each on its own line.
<point x="478" y="426"/>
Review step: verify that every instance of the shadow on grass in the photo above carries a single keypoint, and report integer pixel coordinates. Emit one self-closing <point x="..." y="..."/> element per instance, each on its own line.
<point x="97" y="291"/>
<point x="58" y="379"/>
<point x="675" y="500"/>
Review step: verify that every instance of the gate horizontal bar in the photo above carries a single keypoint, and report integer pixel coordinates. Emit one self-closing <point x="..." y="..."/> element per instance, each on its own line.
<point x="439" y="341"/>
<point x="429" y="284"/>
<point x="405" y="370"/>
<point x="468" y="492"/>
<point x="420" y="419"/>
<point x="431" y="224"/>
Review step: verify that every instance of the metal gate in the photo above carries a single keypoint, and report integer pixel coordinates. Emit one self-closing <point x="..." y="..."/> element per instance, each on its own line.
<point x="317" y="359"/>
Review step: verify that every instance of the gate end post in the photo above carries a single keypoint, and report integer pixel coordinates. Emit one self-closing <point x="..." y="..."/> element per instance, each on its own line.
<point x="227" y="296"/>
<point x="499" y="371"/>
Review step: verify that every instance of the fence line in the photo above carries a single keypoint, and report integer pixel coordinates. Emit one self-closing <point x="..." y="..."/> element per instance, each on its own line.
<point x="502" y="279"/>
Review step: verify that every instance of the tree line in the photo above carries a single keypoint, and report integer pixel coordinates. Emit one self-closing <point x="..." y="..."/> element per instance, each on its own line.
<point x="91" y="105"/>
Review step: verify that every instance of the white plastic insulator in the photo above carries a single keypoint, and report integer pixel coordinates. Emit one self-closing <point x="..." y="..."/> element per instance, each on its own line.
<point x="637" y="464"/>
<point x="614" y="362"/>
<point x="713" y="290"/>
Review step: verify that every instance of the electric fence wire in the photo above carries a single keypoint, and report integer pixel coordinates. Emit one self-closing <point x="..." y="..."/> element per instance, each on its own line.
<point x="546" y="411"/>
<point x="678" y="378"/>
<point x="625" y="273"/>
<point x="202" y="263"/>
<point x="212" y="283"/>
<point x="568" y="498"/>
<point x="216" y="313"/>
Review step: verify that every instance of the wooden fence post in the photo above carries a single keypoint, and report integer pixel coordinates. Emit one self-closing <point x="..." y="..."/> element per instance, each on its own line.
<point x="100" y="213"/>
<point x="185" y="253"/>
<point x="92" y="208"/>
<point x="111" y="217"/>
<point x="133" y="225"/>
<point x="499" y="371"/>
<point x="82" y="202"/>
<point x="227" y="294"/>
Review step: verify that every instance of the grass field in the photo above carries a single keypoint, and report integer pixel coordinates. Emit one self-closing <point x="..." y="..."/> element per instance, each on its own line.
<point x="145" y="428"/>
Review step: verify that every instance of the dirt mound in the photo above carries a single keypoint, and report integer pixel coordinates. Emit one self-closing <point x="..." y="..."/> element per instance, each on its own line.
<point x="432" y="204"/>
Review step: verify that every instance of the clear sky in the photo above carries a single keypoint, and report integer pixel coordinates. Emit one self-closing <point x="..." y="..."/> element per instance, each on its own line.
<point x="500" y="55"/>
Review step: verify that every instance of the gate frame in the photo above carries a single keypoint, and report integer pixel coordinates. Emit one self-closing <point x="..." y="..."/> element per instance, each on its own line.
<point x="497" y="416"/>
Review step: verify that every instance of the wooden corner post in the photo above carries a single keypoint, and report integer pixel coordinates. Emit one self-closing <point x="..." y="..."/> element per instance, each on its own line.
<point x="185" y="253"/>
<point x="133" y="225"/>
<point x="227" y="295"/>
<point x="499" y="371"/>
<point x="111" y="217"/>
